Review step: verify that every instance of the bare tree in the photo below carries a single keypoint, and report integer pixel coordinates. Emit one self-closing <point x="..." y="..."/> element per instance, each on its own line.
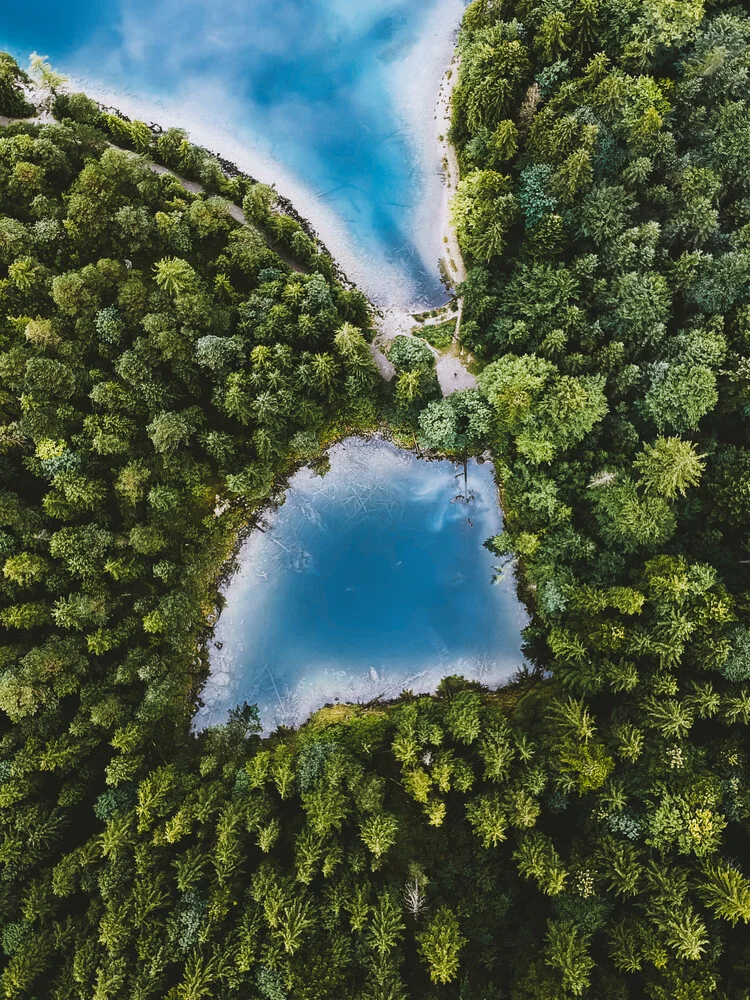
<point x="414" y="898"/>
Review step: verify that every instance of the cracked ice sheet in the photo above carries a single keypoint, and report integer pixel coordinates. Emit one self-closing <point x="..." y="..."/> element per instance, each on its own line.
<point x="367" y="581"/>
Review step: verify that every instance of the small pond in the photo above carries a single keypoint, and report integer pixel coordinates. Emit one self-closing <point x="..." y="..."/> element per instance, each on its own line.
<point x="368" y="580"/>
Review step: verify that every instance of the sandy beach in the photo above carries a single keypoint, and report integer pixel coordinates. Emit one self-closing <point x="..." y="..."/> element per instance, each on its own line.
<point x="451" y="368"/>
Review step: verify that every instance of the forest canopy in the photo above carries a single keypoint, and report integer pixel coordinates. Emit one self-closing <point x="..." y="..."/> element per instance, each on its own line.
<point x="582" y="832"/>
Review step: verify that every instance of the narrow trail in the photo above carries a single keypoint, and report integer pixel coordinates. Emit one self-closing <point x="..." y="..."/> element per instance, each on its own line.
<point x="452" y="371"/>
<point x="454" y="261"/>
<point x="192" y="187"/>
<point x="233" y="210"/>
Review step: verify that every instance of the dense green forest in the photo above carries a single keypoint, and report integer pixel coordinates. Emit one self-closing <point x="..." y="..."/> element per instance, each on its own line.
<point x="582" y="832"/>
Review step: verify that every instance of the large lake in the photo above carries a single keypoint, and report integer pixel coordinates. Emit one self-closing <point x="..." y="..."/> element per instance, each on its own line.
<point x="332" y="99"/>
<point x="366" y="581"/>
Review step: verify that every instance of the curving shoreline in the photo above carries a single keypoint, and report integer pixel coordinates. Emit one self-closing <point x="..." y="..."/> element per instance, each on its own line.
<point x="389" y="269"/>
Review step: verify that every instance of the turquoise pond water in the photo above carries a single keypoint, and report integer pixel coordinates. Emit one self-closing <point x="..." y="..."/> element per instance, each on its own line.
<point x="332" y="99"/>
<point x="366" y="581"/>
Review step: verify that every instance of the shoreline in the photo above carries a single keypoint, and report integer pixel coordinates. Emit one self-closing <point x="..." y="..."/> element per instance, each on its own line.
<point x="246" y="159"/>
<point x="451" y="369"/>
<point x="416" y="88"/>
<point x="492" y="674"/>
<point x="455" y="266"/>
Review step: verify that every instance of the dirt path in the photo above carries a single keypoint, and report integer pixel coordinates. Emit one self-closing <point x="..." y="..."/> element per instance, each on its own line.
<point x="233" y="210"/>
<point x="454" y="262"/>
<point x="192" y="187"/>
<point x="450" y="368"/>
<point x="452" y="372"/>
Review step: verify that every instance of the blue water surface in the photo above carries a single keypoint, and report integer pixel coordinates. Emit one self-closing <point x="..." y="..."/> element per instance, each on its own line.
<point x="307" y="82"/>
<point x="369" y="580"/>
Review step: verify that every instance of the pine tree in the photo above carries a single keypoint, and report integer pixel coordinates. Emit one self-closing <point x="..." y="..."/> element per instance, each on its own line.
<point x="440" y="946"/>
<point x="488" y="819"/>
<point x="386" y="926"/>
<point x="294" y="920"/>
<point x="670" y="466"/>
<point x="567" y="951"/>
<point x="379" y="833"/>
<point x="727" y="891"/>
<point x="174" y="275"/>
<point x="686" y="933"/>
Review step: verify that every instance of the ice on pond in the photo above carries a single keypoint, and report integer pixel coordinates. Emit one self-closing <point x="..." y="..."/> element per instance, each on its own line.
<point x="367" y="581"/>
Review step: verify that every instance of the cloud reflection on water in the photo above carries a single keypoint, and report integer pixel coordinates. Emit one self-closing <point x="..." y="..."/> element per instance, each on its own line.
<point x="365" y="582"/>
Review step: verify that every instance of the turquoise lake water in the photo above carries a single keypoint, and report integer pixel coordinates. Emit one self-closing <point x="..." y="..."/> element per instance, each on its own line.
<point x="333" y="99"/>
<point x="369" y="580"/>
